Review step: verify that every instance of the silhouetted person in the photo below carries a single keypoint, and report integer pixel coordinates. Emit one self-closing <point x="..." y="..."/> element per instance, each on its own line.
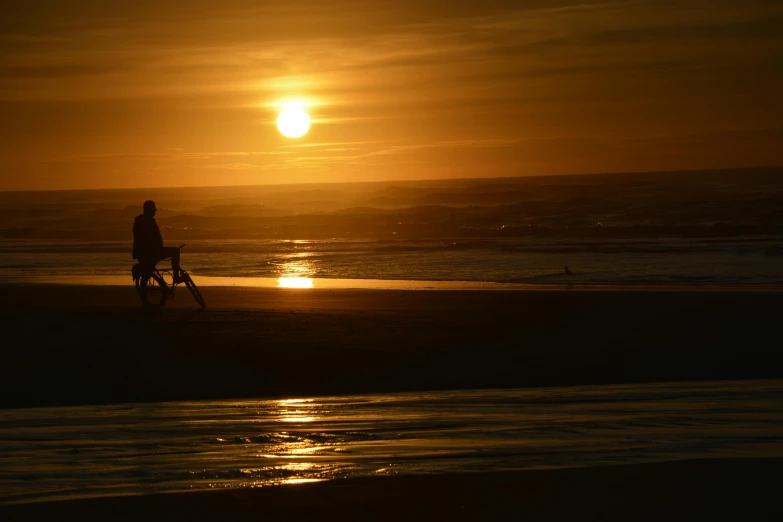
<point x="569" y="273"/>
<point x="148" y="243"/>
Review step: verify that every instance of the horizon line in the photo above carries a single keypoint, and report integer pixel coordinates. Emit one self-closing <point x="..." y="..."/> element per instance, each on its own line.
<point x="425" y="180"/>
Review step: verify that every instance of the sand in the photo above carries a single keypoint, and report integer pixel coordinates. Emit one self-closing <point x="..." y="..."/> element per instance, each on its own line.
<point x="720" y="489"/>
<point x="86" y="345"/>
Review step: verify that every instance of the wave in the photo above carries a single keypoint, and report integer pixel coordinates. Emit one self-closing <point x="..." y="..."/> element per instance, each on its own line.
<point x="768" y="246"/>
<point x="740" y="261"/>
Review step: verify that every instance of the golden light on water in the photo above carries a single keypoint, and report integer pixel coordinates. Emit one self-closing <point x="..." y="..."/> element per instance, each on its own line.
<point x="296" y="415"/>
<point x="302" y="480"/>
<point x="295" y="282"/>
<point x="295" y="270"/>
<point x="297" y="418"/>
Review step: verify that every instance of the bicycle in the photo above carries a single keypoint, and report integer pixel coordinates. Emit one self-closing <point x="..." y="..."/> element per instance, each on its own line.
<point x="154" y="289"/>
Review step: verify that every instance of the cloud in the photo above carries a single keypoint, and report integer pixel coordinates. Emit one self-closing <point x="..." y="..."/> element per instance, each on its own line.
<point x="406" y="87"/>
<point x="55" y="71"/>
<point x="768" y="27"/>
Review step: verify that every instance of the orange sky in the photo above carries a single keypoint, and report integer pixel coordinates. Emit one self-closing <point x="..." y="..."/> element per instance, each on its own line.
<point x="107" y="94"/>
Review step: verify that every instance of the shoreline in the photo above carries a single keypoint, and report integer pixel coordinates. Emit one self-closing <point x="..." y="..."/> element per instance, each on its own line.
<point x="386" y="284"/>
<point x="674" y="490"/>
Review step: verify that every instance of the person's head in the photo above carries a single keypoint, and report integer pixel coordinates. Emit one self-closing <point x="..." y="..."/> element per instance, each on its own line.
<point x="149" y="208"/>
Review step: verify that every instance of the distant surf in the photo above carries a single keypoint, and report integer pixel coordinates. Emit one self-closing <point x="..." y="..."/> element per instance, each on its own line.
<point x="668" y="261"/>
<point x="719" y="227"/>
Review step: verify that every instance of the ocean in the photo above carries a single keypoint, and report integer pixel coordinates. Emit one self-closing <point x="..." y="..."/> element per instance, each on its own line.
<point x="720" y="228"/>
<point x="128" y="449"/>
<point x="741" y="261"/>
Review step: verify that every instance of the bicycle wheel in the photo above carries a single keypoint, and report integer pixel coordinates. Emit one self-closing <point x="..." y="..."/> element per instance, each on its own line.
<point x="153" y="290"/>
<point x="194" y="290"/>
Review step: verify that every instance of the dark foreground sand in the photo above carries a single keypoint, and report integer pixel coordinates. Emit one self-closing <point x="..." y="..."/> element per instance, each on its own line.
<point x="81" y="345"/>
<point x="727" y="489"/>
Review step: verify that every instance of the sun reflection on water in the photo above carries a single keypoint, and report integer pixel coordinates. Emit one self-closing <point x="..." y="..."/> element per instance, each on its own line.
<point x="295" y="272"/>
<point x="296" y="414"/>
<point x="296" y="418"/>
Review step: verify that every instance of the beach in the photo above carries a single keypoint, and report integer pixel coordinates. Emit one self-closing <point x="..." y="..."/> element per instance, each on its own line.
<point x="91" y="345"/>
<point x="722" y="489"/>
<point x="82" y="345"/>
<point x="398" y="261"/>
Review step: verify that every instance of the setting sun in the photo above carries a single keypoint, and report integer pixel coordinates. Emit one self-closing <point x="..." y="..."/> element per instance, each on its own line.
<point x="293" y="122"/>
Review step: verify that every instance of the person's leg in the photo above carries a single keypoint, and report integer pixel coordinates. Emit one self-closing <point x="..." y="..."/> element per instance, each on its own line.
<point x="173" y="253"/>
<point x="175" y="260"/>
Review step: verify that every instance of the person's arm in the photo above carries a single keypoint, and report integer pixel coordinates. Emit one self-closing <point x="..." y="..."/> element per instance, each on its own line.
<point x="135" y="232"/>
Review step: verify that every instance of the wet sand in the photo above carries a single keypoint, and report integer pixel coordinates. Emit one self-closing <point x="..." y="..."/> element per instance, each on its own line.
<point x="719" y="489"/>
<point x="85" y="345"/>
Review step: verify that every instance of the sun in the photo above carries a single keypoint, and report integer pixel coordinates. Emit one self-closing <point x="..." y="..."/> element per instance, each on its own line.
<point x="293" y="122"/>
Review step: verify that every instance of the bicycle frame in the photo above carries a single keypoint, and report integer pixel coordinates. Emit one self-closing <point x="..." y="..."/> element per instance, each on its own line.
<point x="163" y="288"/>
<point x="159" y="272"/>
<point x="169" y="276"/>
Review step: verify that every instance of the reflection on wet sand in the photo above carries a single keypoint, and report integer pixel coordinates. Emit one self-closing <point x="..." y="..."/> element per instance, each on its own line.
<point x="253" y="443"/>
<point x="295" y="282"/>
<point x="385" y="284"/>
